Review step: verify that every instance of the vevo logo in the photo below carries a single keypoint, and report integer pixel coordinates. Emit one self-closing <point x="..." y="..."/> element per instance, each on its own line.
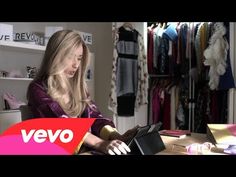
<point x="40" y="136"/>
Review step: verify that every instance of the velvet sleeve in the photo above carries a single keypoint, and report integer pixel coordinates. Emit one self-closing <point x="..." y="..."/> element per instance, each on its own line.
<point x="100" y="122"/>
<point x="41" y="104"/>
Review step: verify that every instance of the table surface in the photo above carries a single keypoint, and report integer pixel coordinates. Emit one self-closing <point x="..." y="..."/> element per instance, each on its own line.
<point x="177" y="146"/>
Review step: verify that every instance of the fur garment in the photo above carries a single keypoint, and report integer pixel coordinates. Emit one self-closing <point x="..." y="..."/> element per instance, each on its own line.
<point x="216" y="55"/>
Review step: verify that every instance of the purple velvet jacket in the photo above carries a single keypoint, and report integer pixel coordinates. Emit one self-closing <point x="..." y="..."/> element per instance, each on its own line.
<point x="42" y="105"/>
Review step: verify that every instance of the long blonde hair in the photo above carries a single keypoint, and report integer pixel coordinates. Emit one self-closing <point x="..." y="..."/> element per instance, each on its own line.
<point x="59" y="46"/>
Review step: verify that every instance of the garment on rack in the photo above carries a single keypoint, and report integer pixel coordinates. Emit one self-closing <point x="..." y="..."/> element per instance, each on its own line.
<point x="159" y="48"/>
<point x="216" y="55"/>
<point x="197" y="102"/>
<point x="129" y="82"/>
<point x="227" y="80"/>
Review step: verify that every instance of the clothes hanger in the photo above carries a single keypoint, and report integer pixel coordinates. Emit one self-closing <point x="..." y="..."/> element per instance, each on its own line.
<point x="150" y="25"/>
<point x="163" y="25"/>
<point x="128" y="25"/>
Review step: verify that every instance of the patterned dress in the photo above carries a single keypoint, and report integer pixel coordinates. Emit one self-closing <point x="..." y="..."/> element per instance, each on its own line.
<point x="129" y="84"/>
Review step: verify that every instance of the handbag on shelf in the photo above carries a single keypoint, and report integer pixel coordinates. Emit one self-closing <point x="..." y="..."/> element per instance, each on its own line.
<point x="11" y="101"/>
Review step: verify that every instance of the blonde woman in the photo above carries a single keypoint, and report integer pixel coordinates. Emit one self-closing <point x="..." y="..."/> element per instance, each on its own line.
<point x="60" y="90"/>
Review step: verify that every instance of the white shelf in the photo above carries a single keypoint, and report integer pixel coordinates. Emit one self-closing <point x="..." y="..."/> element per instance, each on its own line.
<point x="9" y="111"/>
<point x="22" y="45"/>
<point x="14" y="78"/>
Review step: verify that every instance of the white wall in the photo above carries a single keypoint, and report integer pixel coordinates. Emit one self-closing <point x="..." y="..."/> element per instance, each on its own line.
<point x="101" y="48"/>
<point x="9" y="118"/>
<point x="91" y="80"/>
<point x="140" y="117"/>
<point x="232" y="92"/>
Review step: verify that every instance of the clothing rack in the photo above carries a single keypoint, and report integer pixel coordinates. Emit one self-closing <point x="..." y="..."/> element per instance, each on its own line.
<point x="194" y="89"/>
<point x="158" y="75"/>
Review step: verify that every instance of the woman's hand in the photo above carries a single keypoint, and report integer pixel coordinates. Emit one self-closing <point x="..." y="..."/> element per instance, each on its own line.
<point x="127" y="136"/>
<point x="114" y="147"/>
